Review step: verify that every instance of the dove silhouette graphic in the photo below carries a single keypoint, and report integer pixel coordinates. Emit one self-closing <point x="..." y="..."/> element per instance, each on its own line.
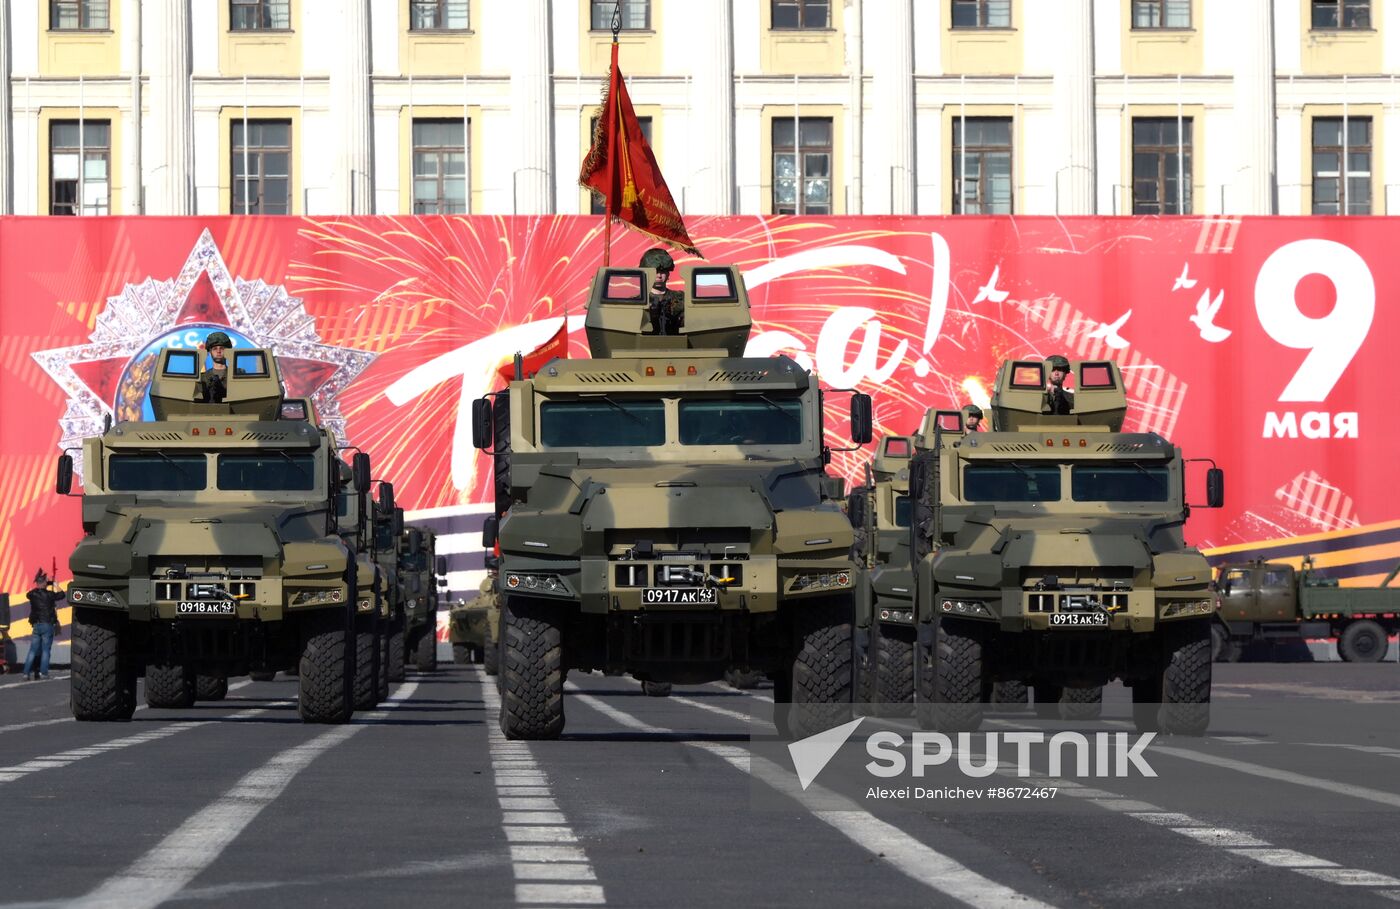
<point x="1182" y="280"/>
<point x="1204" y="317"/>
<point x="1108" y="331"/>
<point x="989" y="290"/>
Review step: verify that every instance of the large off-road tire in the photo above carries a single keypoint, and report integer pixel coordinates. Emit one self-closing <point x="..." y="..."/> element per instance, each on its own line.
<point x="958" y="678"/>
<point x="170" y="686"/>
<point x="103" y="685"/>
<point x="894" y="671"/>
<point x="462" y="653"/>
<point x="1186" y="680"/>
<point x="323" y="696"/>
<point x="366" y="662"/>
<point x="1363" y="642"/>
<point x="742" y="679"/>
<point x="263" y="675"/>
<point x="532" y="670"/>
<point x="383" y="674"/>
<point x="490" y="654"/>
<point x="823" y="665"/>
<point x="210" y="687"/>
<point x="1009" y="696"/>
<point x="1082" y="703"/>
<point x="425" y="650"/>
<point x="656" y="689"/>
<point x="396" y="650"/>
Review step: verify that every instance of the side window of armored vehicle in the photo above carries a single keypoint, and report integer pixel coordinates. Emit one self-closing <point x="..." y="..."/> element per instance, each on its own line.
<point x="1027" y="375"/>
<point x="1276" y="577"/>
<point x="382" y="539"/>
<point x="1095" y="375"/>
<point x="266" y="472"/>
<point x="897" y="448"/>
<point x="625" y="287"/>
<point x="157" y="472"/>
<point x="342" y="505"/>
<point x="903" y="507"/>
<point x="766" y="421"/>
<point x="249" y="364"/>
<point x="1235" y="581"/>
<point x="294" y="410"/>
<point x="607" y="423"/>
<point x="713" y="286"/>
<point x="1011" y="483"/>
<point x="181" y="363"/>
<point x="1119" y="483"/>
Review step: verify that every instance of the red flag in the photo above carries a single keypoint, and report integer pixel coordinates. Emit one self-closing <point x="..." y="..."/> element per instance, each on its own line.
<point x="556" y="346"/>
<point x="621" y="170"/>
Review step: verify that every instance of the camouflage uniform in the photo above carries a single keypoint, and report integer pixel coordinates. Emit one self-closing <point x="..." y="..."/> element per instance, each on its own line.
<point x="1057" y="401"/>
<point x="666" y="307"/>
<point x="212" y="386"/>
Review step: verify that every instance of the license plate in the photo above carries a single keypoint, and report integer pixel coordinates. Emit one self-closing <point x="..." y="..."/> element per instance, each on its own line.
<point x="680" y="596"/>
<point x="1079" y="619"/>
<point x="199" y="607"/>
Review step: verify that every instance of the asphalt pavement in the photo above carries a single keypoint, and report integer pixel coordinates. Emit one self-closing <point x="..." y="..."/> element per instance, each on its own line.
<point x="1292" y="800"/>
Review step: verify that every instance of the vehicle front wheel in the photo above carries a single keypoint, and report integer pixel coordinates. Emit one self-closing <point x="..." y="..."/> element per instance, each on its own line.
<point x="210" y="687"/>
<point x="1186" y="680"/>
<point x="532" y="670"/>
<point x="323" y="693"/>
<point x="103" y="684"/>
<point x="1363" y="642"/>
<point x="170" y="685"/>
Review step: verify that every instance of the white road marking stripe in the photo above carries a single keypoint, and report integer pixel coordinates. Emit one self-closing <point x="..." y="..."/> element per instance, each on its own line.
<point x="179" y="858"/>
<point x="1219" y="836"/>
<point x="550" y="867"/>
<point x="1350" y="877"/>
<point x="1284" y="858"/>
<point x="16" y="727"/>
<point x="1378" y="796"/>
<point x="918" y="861"/>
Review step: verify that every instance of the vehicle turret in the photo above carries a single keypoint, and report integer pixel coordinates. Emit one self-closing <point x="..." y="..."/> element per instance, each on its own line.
<point x="252" y="387"/>
<point x="1018" y="400"/>
<point x="711" y="313"/>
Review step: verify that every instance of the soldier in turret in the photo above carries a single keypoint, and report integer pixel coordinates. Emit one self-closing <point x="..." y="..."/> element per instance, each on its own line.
<point x="1058" y="402"/>
<point x="972" y="418"/>
<point x="213" y="384"/>
<point x="665" y="306"/>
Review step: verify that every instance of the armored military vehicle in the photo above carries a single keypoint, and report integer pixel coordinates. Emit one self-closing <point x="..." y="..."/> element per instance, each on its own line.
<point x="669" y="513"/>
<point x="211" y="548"/>
<point x="1273" y="601"/>
<point x="388" y="527"/>
<point x="472" y="624"/>
<point x="372" y="605"/>
<point x="1051" y="551"/>
<point x="420" y="570"/>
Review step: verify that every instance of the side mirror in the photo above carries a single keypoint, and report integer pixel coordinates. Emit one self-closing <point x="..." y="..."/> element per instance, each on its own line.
<point x="386" y="498"/>
<point x="442" y="582"/>
<point x="396" y="529"/>
<point x="441" y="565"/>
<point x="481" y="423"/>
<point x="415" y="541"/>
<point x="359" y="470"/>
<point x="490" y="529"/>
<point x="1215" y="488"/>
<point x="862" y="419"/>
<point x="63" y="484"/>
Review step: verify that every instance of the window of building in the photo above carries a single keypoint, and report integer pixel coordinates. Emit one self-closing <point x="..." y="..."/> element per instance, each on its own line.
<point x="802" y="166"/>
<point x="253" y="15"/>
<point x="262" y="167"/>
<point x="1341" y="13"/>
<point x="636" y="15"/>
<point x="982" y="166"/>
<point x="1161" y="13"/>
<point x="1341" y="169"/>
<point x="596" y="205"/>
<point x="801" y="13"/>
<point x="1161" y="166"/>
<point x="440" y="15"/>
<point x="981" y="13"/>
<point x="439" y="167"/>
<point x="78" y="15"/>
<point x="80" y="164"/>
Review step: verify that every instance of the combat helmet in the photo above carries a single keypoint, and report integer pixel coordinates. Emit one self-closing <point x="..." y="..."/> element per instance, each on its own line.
<point x="1058" y="362"/>
<point x="218" y="339"/>
<point x="657" y="258"/>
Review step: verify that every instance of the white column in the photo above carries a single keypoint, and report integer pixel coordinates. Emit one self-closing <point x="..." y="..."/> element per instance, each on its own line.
<point x="131" y="123"/>
<point x="531" y="95"/>
<point x="352" y="186"/>
<point x="171" y="127"/>
<point x="1256" y="156"/>
<point x="711" y="133"/>
<point x="1074" y="108"/>
<point x="892" y="31"/>
<point x="7" y="137"/>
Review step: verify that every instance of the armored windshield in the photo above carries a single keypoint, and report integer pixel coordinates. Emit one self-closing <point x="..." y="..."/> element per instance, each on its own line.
<point x="902" y="507"/>
<point x="264" y="472"/>
<point x="766" y="421"/>
<point x="602" y="423"/>
<point x="1011" y="483"/>
<point x="1119" y="483"/>
<point x="156" y="472"/>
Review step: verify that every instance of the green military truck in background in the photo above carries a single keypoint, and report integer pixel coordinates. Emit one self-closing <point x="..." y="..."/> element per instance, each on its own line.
<point x="211" y="548"/>
<point x="420" y="571"/>
<point x="669" y="511"/>
<point x="1273" y="601"/>
<point x="1051" y="551"/>
<point x="388" y="526"/>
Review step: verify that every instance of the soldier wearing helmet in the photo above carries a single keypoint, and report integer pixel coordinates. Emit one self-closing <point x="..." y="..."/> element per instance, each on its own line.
<point x="1057" y="401"/>
<point x="665" y="306"/>
<point x="972" y="418"/>
<point x="212" y="384"/>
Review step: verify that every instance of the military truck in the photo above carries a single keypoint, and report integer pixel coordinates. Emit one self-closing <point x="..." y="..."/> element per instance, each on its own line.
<point x="211" y="548"/>
<point x="388" y="527"/>
<point x="1051" y="551"/>
<point x="1271" y="601"/>
<point x="420" y="570"/>
<point x="372" y="606"/>
<point x="669" y="512"/>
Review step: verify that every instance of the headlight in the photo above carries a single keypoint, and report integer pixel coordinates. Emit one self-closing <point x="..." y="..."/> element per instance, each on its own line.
<point x="95" y="597"/>
<point x="315" y="596"/>
<point x="536" y="583"/>
<point x="1177" y="609"/>
<point x="897" y="615"/>
<point x="364" y="604"/>
<point x="966" y="607"/>
<point x="827" y="580"/>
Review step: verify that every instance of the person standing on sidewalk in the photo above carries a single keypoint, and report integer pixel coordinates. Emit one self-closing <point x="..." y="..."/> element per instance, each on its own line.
<point x="43" y="620"/>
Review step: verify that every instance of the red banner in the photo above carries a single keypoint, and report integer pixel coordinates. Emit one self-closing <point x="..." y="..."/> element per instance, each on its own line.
<point x="1260" y="343"/>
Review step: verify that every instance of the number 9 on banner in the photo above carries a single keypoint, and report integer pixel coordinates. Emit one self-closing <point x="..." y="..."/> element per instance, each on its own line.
<point x="1332" y="340"/>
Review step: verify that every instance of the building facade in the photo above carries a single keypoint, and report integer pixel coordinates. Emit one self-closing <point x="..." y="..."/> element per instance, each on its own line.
<point x="329" y="107"/>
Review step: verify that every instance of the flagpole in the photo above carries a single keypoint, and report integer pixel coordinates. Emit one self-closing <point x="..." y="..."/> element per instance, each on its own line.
<point x="612" y="133"/>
